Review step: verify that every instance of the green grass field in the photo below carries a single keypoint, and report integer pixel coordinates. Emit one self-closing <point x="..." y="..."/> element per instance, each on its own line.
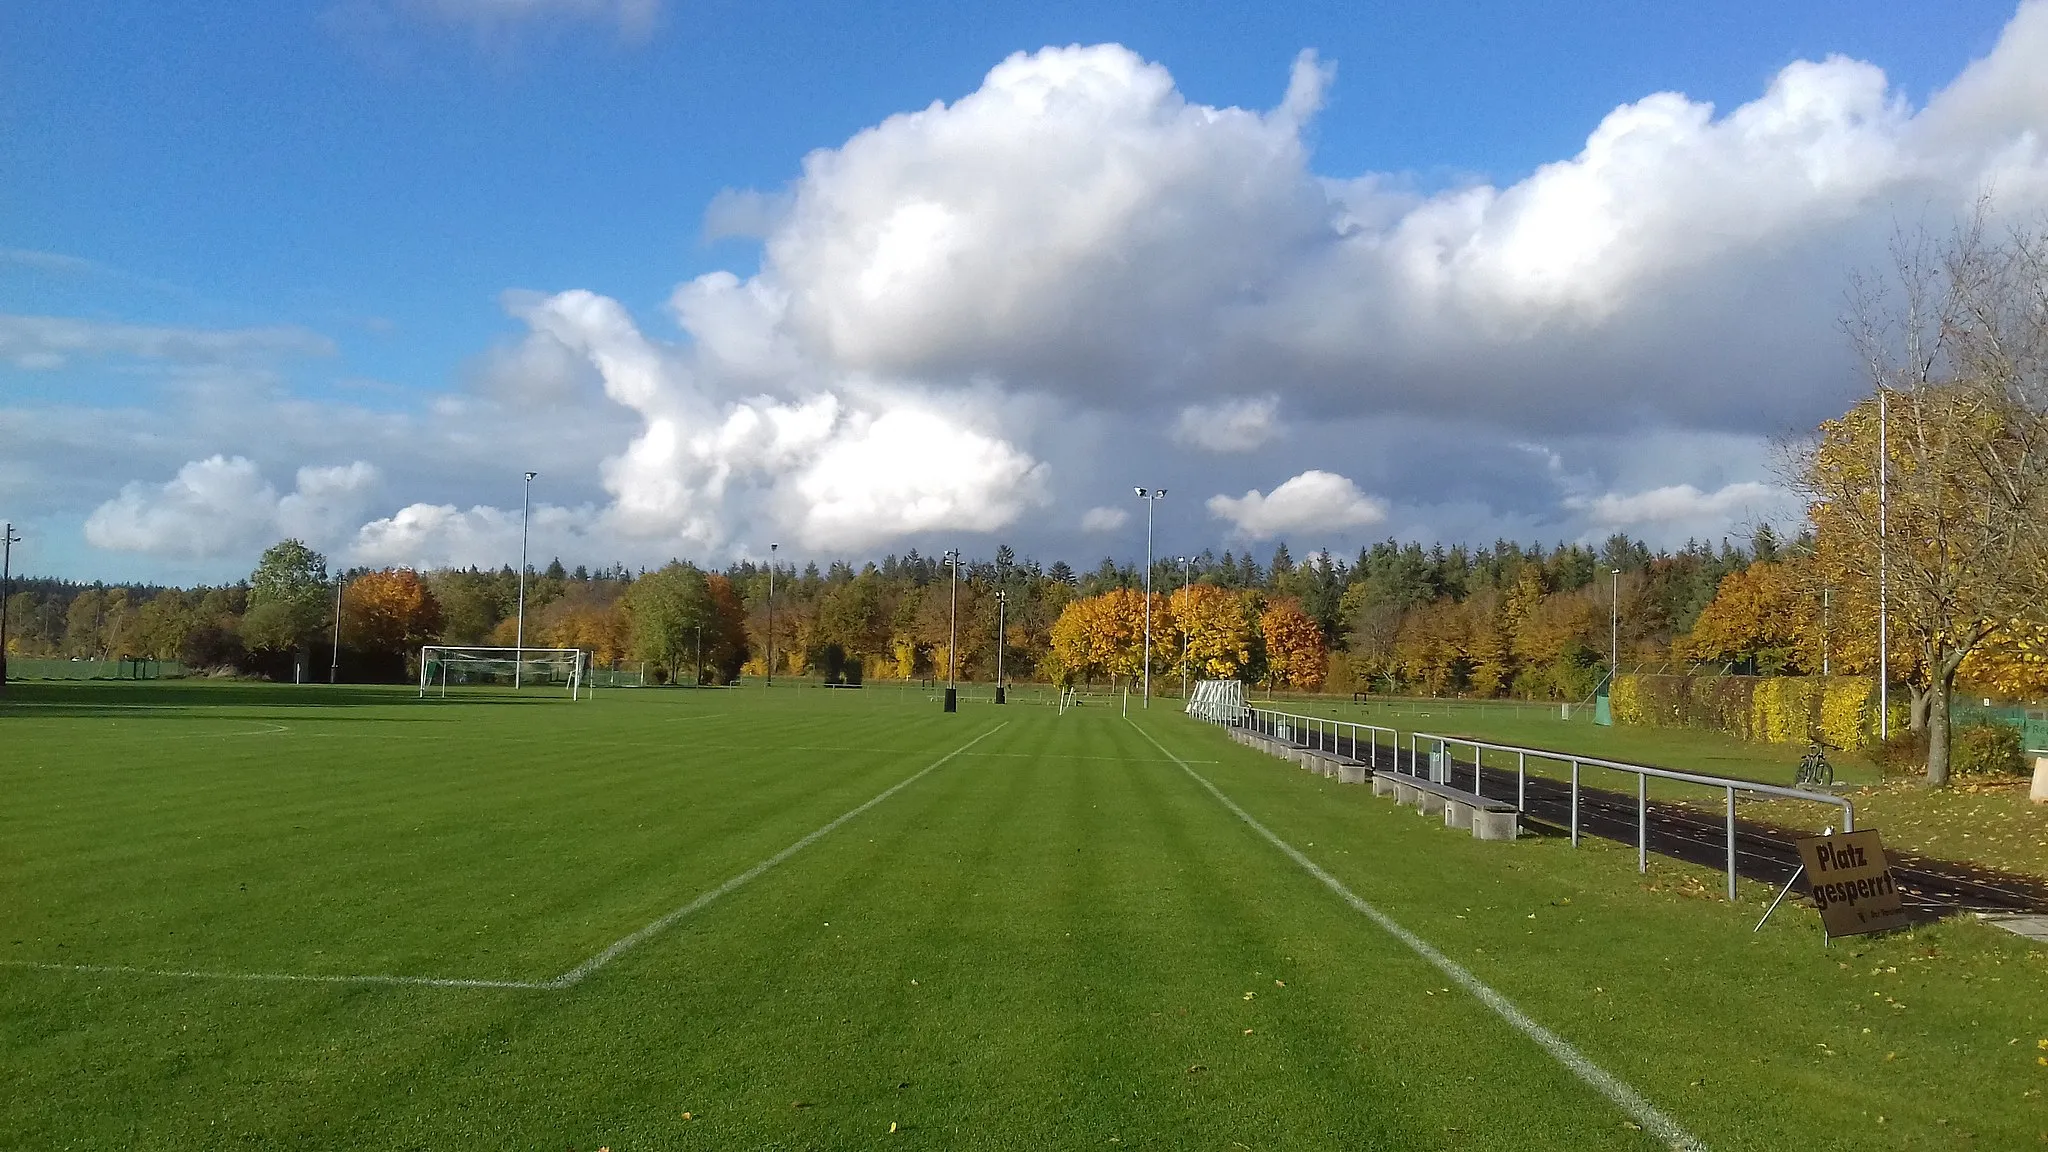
<point x="241" y="916"/>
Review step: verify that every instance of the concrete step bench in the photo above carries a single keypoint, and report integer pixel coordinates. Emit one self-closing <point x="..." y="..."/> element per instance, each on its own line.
<point x="1342" y="769"/>
<point x="1489" y="819"/>
<point x="1320" y="763"/>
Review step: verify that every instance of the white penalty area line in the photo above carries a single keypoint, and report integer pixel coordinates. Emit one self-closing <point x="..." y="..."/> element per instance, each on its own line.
<point x="1618" y="1092"/>
<point x="573" y="976"/>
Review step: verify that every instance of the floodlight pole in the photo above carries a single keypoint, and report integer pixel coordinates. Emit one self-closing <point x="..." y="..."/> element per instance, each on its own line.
<point x="7" y="542"/>
<point x="334" y="651"/>
<point x="1187" y="583"/>
<point x="770" y="670"/>
<point x="952" y="556"/>
<point x="1151" y="497"/>
<point x="1002" y="623"/>
<point x="1613" y="628"/>
<point x="525" y="517"/>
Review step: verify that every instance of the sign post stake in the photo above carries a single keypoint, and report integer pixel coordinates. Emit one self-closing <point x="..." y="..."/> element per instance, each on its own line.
<point x="1782" y="892"/>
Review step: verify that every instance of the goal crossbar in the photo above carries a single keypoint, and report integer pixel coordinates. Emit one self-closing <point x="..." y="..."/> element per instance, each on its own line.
<point x="464" y="663"/>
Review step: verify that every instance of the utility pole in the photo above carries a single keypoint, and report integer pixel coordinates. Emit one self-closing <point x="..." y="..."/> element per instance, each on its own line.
<point x="1884" y="671"/>
<point x="771" y="614"/>
<point x="1151" y="497"/>
<point x="525" y="518"/>
<point x="1827" y="638"/>
<point x="7" y="542"/>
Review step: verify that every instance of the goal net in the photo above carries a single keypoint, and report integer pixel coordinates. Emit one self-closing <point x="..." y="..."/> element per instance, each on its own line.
<point x="1218" y="701"/>
<point x="442" y="665"/>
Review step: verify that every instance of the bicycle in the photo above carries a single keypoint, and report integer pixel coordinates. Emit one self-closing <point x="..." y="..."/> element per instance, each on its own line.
<point x="1814" y="769"/>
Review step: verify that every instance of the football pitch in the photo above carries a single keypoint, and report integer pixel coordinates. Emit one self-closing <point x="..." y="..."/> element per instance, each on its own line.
<point x="255" y="916"/>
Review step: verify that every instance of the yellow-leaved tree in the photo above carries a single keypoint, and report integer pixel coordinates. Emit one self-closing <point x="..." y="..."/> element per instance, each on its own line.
<point x="1218" y="633"/>
<point x="1294" y="646"/>
<point x="390" y="611"/>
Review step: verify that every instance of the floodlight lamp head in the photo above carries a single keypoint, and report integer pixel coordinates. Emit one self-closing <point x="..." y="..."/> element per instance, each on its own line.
<point x="530" y="476"/>
<point x="1139" y="491"/>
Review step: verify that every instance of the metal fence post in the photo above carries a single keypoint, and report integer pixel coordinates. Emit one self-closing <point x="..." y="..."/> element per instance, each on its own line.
<point x="1642" y="823"/>
<point x="1575" y="803"/>
<point x="1478" y="774"/>
<point x="1731" y="844"/>
<point x="1522" y="781"/>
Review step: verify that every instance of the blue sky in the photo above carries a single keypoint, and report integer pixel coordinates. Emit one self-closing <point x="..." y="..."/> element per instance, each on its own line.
<point x="363" y="182"/>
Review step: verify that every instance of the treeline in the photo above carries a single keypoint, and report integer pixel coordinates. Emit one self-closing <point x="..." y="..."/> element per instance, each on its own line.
<point x="1503" y="620"/>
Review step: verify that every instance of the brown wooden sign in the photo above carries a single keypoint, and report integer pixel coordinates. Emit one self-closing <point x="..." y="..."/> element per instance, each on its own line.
<point x="1852" y="883"/>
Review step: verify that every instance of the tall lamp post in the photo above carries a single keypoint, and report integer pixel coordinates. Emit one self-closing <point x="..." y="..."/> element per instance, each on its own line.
<point x="334" y="650"/>
<point x="1613" y="628"/>
<point x="952" y="556"/>
<point x="7" y="542"/>
<point x="1002" y="637"/>
<point x="1151" y="497"/>
<point x="1187" y="582"/>
<point x="525" y="518"/>
<point x="771" y="614"/>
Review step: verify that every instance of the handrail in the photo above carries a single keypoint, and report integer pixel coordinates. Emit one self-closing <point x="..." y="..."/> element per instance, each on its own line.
<point x="1326" y="731"/>
<point x="1729" y="784"/>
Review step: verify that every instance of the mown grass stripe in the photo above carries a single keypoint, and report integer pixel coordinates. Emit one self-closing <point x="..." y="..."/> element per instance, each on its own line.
<point x="573" y="976"/>
<point x="1613" y="1088"/>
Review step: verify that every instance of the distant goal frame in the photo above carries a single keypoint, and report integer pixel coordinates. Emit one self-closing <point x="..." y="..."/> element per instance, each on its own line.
<point x="437" y="657"/>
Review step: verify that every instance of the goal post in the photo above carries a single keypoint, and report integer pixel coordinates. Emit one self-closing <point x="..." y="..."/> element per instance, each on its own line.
<point x="1219" y="702"/>
<point x="445" y="664"/>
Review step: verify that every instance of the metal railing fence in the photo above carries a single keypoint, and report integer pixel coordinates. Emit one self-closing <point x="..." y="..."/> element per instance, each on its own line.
<point x="1321" y="733"/>
<point x="1440" y="762"/>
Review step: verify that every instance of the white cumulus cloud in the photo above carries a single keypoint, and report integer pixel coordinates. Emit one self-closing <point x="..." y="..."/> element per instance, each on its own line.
<point x="222" y="506"/>
<point x="1004" y="300"/>
<point x="442" y="535"/>
<point x="1238" y="425"/>
<point x="1097" y="521"/>
<point x="1314" y="501"/>
<point x="1683" y="504"/>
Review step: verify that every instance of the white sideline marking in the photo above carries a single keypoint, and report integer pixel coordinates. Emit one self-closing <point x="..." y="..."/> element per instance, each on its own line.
<point x="1624" y="1097"/>
<point x="626" y="944"/>
<point x="573" y="976"/>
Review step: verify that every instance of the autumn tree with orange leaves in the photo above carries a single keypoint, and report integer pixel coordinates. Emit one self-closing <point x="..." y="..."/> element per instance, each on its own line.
<point x="390" y="611"/>
<point x="1294" y="646"/>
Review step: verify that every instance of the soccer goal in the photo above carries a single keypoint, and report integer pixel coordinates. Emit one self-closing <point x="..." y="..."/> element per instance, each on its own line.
<point x="1218" y="702"/>
<point x="501" y="667"/>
